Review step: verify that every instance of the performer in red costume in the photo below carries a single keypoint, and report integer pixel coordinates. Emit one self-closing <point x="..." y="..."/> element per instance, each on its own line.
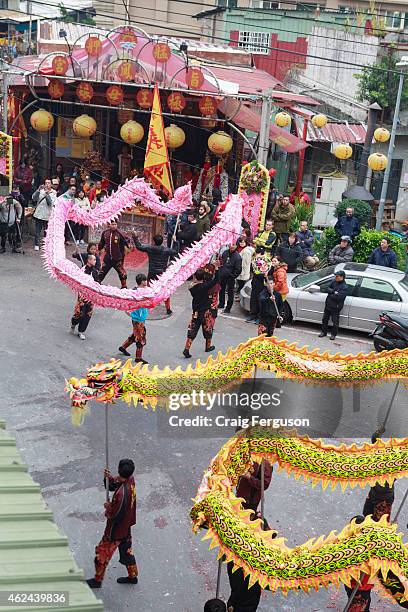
<point x="121" y="515"/>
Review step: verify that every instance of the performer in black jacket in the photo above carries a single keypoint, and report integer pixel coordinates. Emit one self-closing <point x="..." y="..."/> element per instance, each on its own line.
<point x="336" y="294"/>
<point x="202" y="317"/>
<point x="159" y="256"/>
<point x="270" y="305"/>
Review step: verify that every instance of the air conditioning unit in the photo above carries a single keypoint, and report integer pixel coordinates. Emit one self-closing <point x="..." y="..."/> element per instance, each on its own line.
<point x="327" y="194"/>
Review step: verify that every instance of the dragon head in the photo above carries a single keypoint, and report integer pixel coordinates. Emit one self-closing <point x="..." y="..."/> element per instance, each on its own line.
<point x="100" y="384"/>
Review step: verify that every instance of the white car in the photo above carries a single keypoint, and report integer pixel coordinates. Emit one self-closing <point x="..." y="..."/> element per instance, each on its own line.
<point x="372" y="290"/>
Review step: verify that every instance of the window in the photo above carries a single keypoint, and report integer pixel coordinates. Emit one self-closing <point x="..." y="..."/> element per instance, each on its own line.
<point x="394" y="20"/>
<point x="3" y="4"/>
<point x="257" y="42"/>
<point x="231" y="4"/>
<point x="351" y="282"/>
<point x="376" y="289"/>
<point x="309" y="7"/>
<point x="264" y="4"/>
<point x="311" y="278"/>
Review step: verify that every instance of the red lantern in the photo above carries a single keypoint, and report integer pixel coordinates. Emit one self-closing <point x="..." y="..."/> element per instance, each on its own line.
<point x="84" y="91"/>
<point x="124" y="116"/>
<point x="55" y="88"/>
<point x="60" y="65"/>
<point x="176" y="102"/>
<point x="272" y="172"/>
<point x="114" y="95"/>
<point x="161" y="52"/>
<point x="195" y="78"/>
<point x="208" y="106"/>
<point x="93" y="46"/>
<point x="126" y="71"/>
<point x="144" y="98"/>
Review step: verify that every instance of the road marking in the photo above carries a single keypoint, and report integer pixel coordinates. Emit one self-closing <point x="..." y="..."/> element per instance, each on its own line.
<point x="298" y="328"/>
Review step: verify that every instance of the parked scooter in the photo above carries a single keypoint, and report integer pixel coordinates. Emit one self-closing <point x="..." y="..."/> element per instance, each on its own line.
<point x="390" y="333"/>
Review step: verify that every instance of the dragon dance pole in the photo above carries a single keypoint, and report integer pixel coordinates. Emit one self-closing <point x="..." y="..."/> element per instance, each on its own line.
<point x="263" y="492"/>
<point x="217" y="590"/>
<point x="353" y="594"/>
<point x="107" y="445"/>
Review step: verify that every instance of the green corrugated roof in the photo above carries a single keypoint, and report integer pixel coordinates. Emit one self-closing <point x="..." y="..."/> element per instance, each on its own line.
<point x="34" y="555"/>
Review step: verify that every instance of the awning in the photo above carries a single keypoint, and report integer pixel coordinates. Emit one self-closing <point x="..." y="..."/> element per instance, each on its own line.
<point x="353" y="133"/>
<point x="250" y="119"/>
<point x="248" y="80"/>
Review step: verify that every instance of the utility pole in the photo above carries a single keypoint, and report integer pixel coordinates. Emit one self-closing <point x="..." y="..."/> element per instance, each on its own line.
<point x="263" y="146"/>
<point x="5" y="100"/>
<point x="30" y="26"/>
<point x="373" y="111"/>
<point x="384" y="188"/>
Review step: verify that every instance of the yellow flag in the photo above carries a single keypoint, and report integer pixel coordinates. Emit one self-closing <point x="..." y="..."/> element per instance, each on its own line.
<point x="156" y="164"/>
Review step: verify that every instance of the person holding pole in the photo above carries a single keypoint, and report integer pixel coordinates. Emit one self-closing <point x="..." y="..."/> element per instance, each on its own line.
<point x="121" y="516"/>
<point x="249" y="485"/>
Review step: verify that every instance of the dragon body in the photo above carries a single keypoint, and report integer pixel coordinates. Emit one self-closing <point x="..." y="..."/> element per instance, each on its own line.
<point x="113" y="380"/>
<point x="177" y="273"/>
<point x="373" y="548"/>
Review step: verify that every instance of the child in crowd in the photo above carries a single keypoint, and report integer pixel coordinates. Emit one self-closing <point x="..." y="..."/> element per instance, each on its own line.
<point x="83" y="309"/>
<point x="138" y="317"/>
<point x="92" y="249"/>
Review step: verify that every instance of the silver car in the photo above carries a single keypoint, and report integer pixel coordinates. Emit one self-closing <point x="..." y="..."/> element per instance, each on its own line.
<point x="372" y="290"/>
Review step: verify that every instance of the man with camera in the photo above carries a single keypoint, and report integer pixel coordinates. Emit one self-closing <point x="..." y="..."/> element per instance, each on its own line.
<point x="10" y="217"/>
<point x="44" y="199"/>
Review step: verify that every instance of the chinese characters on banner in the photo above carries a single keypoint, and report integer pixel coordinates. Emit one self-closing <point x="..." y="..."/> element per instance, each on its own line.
<point x="126" y="71"/>
<point x="156" y="164"/>
<point x="55" y="89"/>
<point x="93" y="46"/>
<point x="208" y="106"/>
<point x="144" y="98"/>
<point x="128" y="40"/>
<point x="114" y="95"/>
<point x="6" y="157"/>
<point x="161" y="52"/>
<point x="176" y="102"/>
<point x="84" y="91"/>
<point x="60" y="65"/>
<point x="195" y="78"/>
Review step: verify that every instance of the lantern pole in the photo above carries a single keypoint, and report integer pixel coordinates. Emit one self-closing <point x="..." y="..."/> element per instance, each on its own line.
<point x="5" y="100"/>
<point x="263" y="146"/>
<point x="384" y="189"/>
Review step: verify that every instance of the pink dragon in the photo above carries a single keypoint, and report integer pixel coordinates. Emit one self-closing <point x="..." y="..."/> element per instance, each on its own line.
<point x="176" y="274"/>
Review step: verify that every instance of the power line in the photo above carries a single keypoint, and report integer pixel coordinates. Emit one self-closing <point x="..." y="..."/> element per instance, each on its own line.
<point x="270" y="29"/>
<point x="292" y="52"/>
<point x="299" y="14"/>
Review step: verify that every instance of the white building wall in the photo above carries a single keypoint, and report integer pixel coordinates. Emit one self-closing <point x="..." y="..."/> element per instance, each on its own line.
<point x="333" y="81"/>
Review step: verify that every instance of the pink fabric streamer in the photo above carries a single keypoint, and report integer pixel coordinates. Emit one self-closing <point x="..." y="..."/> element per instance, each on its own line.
<point x="181" y="268"/>
<point x="252" y="209"/>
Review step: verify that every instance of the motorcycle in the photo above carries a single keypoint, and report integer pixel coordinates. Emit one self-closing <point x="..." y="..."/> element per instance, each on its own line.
<point x="391" y="333"/>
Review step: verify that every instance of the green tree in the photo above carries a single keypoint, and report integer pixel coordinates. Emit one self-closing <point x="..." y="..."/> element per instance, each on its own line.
<point x="379" y="84"/>
<point x="72" y="16"/>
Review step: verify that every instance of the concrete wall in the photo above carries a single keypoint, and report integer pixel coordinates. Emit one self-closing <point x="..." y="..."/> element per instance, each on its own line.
<point x="335" y="82"/>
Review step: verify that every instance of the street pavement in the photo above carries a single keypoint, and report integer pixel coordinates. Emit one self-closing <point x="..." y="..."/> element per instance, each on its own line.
<point x="177" y="572"/>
